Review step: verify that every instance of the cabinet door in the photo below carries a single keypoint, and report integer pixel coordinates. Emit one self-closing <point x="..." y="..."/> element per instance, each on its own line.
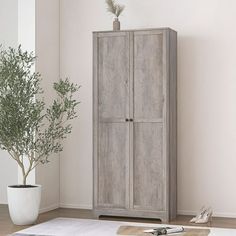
<point x="148" y="76"/>
<point x="149" y="162"/>
<point x="113" y="165"/>
<point x="148" y="167"/>
<point x="113" y="77"/>
<point x="111" y="157"/>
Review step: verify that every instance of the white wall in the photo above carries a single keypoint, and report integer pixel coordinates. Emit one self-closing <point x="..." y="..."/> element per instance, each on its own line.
<point x="8" y="37"/>
<point x="206" y="95"/>
<point x="38" y="31"/>
<point x="76" y="24"/>
<point x="8" y="22"/>
<point x="47" y="51"/>
<point x="35" y="25"/>
<point x="26" y="24"/>
<point x="26" y="38"/>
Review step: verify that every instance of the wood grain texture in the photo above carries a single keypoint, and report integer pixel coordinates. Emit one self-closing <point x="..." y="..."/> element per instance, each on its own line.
<point x="6" y="226"/>
<point x="149" y="167"/>
<point x="148" y="76"/>
<point x="111" y="108"/>
<point x="95" y="119"/>
<point x="138" y="231"/>
<point x="172" y="57"/>
<point x="113" y="76"/>
<point x="112" y="163"/>
<point x="135" y="78"/>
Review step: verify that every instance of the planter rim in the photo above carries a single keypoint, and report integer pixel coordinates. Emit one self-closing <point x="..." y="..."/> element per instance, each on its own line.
<point x="30" y="186"/>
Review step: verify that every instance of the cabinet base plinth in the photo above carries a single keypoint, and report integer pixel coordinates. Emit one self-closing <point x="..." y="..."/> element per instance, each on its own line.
<point x="162" y="216"/>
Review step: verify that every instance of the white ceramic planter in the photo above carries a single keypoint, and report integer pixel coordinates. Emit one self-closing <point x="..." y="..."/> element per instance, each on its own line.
<point x="24" y="204"/>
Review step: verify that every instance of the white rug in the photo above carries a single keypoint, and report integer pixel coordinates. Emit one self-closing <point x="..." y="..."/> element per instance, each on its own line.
<point x="82" y="227"/>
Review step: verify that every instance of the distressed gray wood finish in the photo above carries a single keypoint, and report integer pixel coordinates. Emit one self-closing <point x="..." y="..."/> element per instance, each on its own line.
<point x="135" y="162"/>
<point x="111" y="110"/>
<point x="149" y="172"/>
<point x="148" y="74"/>
<point x="113" y="155"/>
<point x="113" y="76"/>
<point x="149" y="167"/>
<point x="172" y="69"/>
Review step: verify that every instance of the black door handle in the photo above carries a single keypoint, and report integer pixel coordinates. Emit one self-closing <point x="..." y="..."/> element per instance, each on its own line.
<point x="131" y="120"/>
<point x="126" y="119"/>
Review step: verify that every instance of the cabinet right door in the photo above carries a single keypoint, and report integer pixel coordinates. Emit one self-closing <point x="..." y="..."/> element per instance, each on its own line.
<point x="148" y="189"/>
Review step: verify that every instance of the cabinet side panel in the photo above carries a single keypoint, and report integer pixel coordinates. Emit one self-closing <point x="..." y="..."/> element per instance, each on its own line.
<point x="95" y="119"/>
<point x="173" y="124"/>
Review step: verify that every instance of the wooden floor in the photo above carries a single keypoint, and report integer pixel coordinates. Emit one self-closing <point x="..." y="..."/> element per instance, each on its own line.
<point x="6" y="226"/>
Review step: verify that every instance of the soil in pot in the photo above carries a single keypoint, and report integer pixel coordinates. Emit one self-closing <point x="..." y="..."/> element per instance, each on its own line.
<point x="22" y="186"/>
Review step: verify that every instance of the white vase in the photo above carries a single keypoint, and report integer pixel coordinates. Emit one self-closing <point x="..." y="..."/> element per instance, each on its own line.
<point x="24" y="204"/>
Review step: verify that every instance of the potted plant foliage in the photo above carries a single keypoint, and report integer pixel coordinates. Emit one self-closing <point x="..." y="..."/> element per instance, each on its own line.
<point x="29" y="131"/>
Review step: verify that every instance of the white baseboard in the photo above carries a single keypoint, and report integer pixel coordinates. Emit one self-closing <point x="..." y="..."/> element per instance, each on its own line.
<point x="49" y="208"/>
<point x="3" y="203"/>
<point x="215" y="214"/>
<point x="76" y="206"/>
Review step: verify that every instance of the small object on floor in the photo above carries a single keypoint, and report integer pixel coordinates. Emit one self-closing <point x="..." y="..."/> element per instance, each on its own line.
<point x="199" y="215"/>
<point x="165" y="230"/>
<point x="206" y="217"/>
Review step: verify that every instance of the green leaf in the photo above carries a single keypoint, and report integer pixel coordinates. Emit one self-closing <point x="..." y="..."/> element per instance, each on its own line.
<point x="29" y="129"/>
<point x="114" y="8"/>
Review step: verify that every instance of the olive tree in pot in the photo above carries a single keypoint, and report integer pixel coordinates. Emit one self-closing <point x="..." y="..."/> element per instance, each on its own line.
<point x="30" y="131"/>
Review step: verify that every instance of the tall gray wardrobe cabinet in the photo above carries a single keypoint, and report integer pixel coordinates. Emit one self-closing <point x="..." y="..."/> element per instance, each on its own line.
<point x="134" y="123"/>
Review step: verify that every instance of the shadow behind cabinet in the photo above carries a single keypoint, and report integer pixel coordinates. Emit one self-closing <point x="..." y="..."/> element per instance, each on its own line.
<point x="134" y="123"/>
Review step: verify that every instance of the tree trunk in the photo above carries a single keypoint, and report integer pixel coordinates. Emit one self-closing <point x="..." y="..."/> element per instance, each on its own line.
<point x="24" y="179"/>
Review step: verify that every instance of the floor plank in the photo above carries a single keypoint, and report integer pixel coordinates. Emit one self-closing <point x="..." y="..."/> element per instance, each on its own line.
<point x="7" y="227"/>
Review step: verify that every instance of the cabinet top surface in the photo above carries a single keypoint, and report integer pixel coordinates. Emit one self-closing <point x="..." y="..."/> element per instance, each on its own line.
<point x="135" y="30"/>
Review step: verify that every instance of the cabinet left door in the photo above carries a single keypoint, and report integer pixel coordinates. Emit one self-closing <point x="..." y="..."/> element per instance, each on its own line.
<point x="110" y="127"/>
